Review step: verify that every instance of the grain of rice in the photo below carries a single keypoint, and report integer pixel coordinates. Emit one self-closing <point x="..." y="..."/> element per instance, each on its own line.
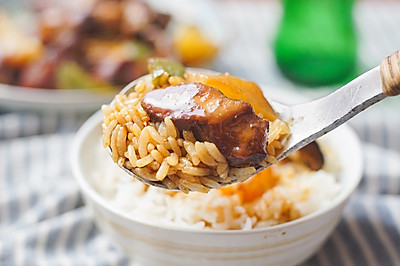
<point x="128" y="164"/>
<point x="154" y="166"/>
<point x="225" y="180"/>
<point x="167" y="145"/>
<point x="141" y="112"/>
<point x="136" y="130"/>
<point x="155" y="135"/>
<point x="163" y="150"/>
<point x="131" y="155"/>
<point x="185" y="161"/>
<point x="143" y="141"/>
<point x="242" y="173"/>
<point x="143" y="171"/>
<point x="135" y="143"/>
<point x="132" y="102"/>
<point x="272" y="136"/>
<point x="191" y="150"/>
<point x="170" y="127"/>
<point x="144" y="161"/>
<point x="169" y="183"/>
<point x="194" y="186"/>
<point x="121" y="140"/>
<point x="271" y="150"/>
<point x="223" y="170"/>
<point x="187" y="177"/>
<point x="162" y="129"/>
<point x="172" y="171"/>
<point x="157" y="156"/>
<point x="183" y="188"/>
<point x="180" y="142"/>
<point x="174" y="146"/>
<point x="150" y="147"/>
<point x="188" y="136"/>
<point x="140" y="86"/>
<point x="203" y="154"/>
<point x="162" y="171"/>
<point x="209" y="182"/>
<point x="119" y="101"/>
<point x="106" y="121"/>
<point x="106" y="109"/>
<point x="214" y="152"/>
<point x="174" y="178"/>
<point x="133" y="96"/>
<point x="128" y="118"/>
<point x="120" y="118"/>
<point x="271" y="159"/>
<point x="129" y="126"/>
<point x="113" y="144"/>
<point x="278" y="128"/>
<point x="135" y="118"/>
<point x="172" y="159"/>
<point x="107" y="133"/>
<point x="277" y="144"/>
<point x="196" y="171"/>
<point x="121" y="161"/>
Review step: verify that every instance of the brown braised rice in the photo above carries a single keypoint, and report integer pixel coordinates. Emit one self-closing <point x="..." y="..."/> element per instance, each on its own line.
<point x="162" y="153"/>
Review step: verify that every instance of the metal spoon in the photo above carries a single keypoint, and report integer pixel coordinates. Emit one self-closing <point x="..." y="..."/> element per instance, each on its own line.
<point x="313" y="119"/>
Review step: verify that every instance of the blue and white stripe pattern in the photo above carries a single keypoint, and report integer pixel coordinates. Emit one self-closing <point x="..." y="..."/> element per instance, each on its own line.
<point x="43" y="220"/>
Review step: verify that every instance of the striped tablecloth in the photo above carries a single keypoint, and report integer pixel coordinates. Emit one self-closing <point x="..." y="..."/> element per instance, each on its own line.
<point x="43" y="220"/>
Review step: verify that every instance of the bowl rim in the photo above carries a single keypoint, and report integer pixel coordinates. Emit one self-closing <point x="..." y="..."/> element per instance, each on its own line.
<point x="95" y="120"/>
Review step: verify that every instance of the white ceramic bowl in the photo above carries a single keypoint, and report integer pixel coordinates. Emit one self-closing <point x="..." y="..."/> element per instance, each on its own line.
<point x="285" y="244"/>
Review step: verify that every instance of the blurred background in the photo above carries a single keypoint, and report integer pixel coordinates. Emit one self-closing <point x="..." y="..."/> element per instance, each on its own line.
<point x="61" y="60"/>
<point x="95" y="47"/>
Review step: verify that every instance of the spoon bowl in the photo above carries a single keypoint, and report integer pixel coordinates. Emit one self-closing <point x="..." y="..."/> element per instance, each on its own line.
<point x="311" y="120"/>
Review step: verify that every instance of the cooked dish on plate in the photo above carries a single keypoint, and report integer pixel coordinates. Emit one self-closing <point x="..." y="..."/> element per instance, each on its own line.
<point x="98" y="45"/>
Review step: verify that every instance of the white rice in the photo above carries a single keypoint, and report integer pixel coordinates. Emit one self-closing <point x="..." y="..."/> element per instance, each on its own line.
<point x="298" y="192"/>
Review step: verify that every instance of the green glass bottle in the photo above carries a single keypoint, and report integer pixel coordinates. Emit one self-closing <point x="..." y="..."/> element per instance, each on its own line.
<point x="316" y="42"/>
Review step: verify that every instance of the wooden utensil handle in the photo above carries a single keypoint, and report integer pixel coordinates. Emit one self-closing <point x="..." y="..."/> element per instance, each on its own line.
<point x="390" y="74"/>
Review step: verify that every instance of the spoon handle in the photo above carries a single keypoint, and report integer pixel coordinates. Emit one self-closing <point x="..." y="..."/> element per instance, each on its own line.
<point x="390" y="74"/>
<point x="314" y="119"/>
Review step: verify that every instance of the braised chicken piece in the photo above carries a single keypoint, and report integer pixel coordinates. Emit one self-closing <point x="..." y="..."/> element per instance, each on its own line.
<point x="234" y="127"/>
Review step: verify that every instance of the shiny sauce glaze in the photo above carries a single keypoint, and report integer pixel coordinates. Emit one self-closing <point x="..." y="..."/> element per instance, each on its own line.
<point x="232" y="125"/>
